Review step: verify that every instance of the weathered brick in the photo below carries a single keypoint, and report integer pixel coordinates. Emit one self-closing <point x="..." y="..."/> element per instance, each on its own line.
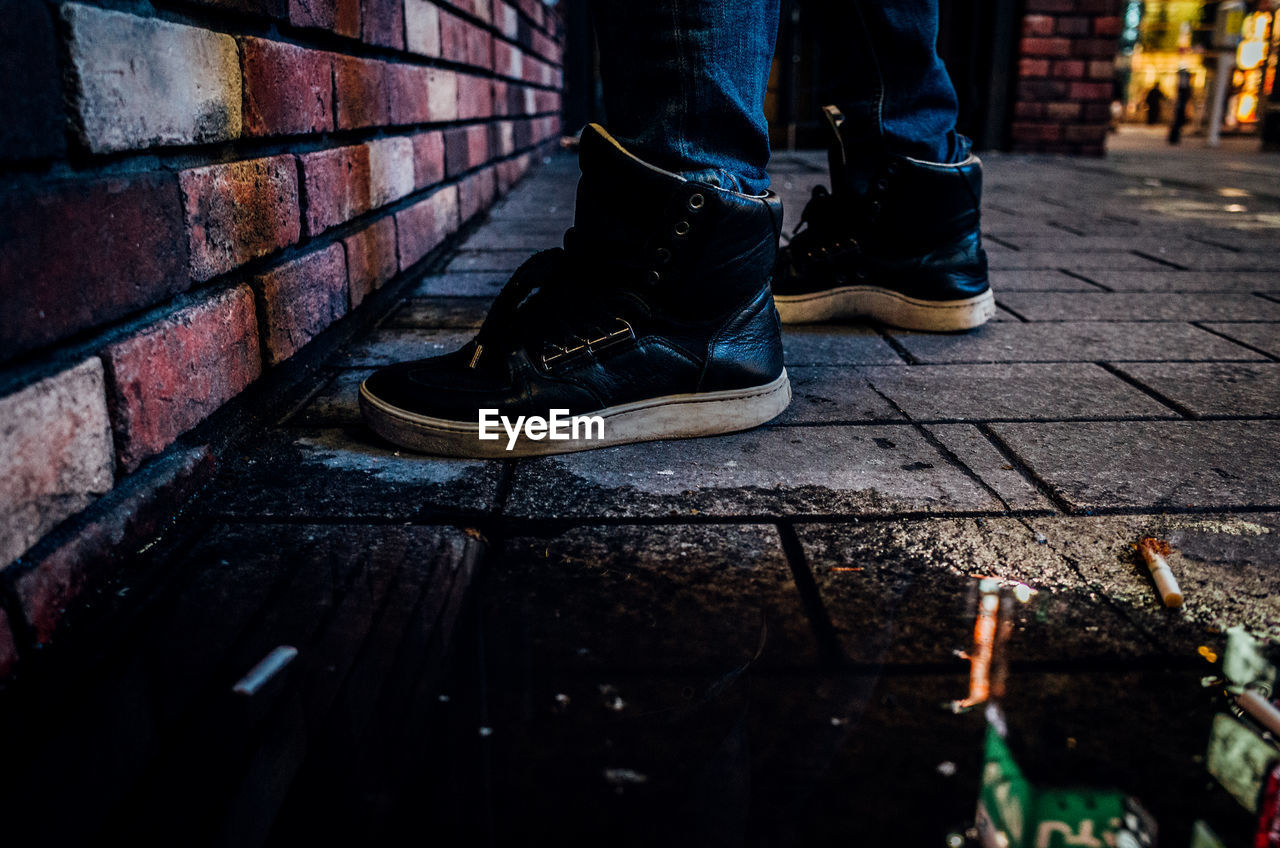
<point x="31" y="121"/>
<point x="382" y="23"/>
<point x="1062" y="111"/>
<point x="409" y="87"/>
<point x="546" y="47"/>
<point x="426" y="224"/>
<point x="8" y="648"/>
<point x="463" y="41"/>
<point x="475" y="97"/>
<point x="55" y="454"/>
<point x="510" y="171"/>
<point x="1072" y="25"/>
<point x="1102" y="69"/>
<point x="502" y="138"/>
<point x="428" y="159"/>
<point x="442" y="95"/>
<point x="239" y="211"/>
<point x="336" y="182"/>
<point x="390" y="170"/>
<point x="1110" y="25"/>
<point x="460" y="154"/>
<point x="170" y="376"/>
<point x="371" y="258"/>
<point x="360" y="87"/>
<point x="339" y="16"/>
<point x="507" y="60"/>
<point x="142" y="82"/>
<point x="1027" y="131"/>
<point x="422" y="27"/>
<point x="1094" y="47"/>
<point x="287" y="89"/>
<point x="506" y="18"/>
<point x="1033" y="68"/>
<point x="300" y="299"/>
<point x="1028" y="110"/>
<point x="50" y="583"/>
<point x="1046" y="47"/>
<point x="78" y="254"/>
<point x="476" y="193"/>
<point x="277" y="9"/>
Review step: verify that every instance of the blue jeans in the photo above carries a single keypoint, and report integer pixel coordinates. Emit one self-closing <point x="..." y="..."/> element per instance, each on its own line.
<point x="684" y="81"/>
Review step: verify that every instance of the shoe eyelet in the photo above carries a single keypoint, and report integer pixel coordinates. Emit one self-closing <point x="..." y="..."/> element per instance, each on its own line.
<point x="655" y="276"/>
<point x="882" y="185"/>
<point x="664" y="255"/>
<point x="696" y="202"/>
<point x="682" y="228"/>
<point x="891" y="168"/>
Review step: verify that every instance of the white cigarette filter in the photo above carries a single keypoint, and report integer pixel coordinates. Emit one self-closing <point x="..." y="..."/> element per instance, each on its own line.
<point x="1154" y="553"/>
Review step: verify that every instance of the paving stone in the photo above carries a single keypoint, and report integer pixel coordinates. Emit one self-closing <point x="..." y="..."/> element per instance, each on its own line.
<point x="1224" y="564"/>
<point x="1153" y="464"/>
<point x="336" y="405"/>
<point x="827" y="394"/>
<point x="1071" y="260"/>
<point x="1027" y="279"/>
<point x="497" y="237"/>
<point x="504" y="261"/>
<point x="1012" y="390"/>
<point x="1182" y="281"/>
<point x="1206" y="258"/>
<point x="1214" y="388"/>
<point x="1061" y="242"/>
<point x="1083" y="341"/>
<point x="386" y="347"/>
<point x="462" y="284"/>
<point x="781" y="470"/>
<point x="1264" y="337"/>
<point x="851" y="344"/>
<point x="664" y="598"/>
<point x="1119" y="306"/>
<point x="975" y="450"/>
<point x="904" y="592"/>
<point x="440" y="312"/>
<point x="348" y="474"/>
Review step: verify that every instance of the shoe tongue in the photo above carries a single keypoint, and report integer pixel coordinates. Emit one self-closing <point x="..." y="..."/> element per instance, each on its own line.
<point x="621" y="198"/>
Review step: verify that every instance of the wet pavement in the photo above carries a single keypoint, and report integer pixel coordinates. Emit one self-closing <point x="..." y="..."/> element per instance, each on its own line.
<point x="759" y="639"/>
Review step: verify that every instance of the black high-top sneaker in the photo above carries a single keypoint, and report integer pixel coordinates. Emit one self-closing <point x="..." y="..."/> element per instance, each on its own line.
<point x="654" y="321"/>
<point x="896" y="239"/>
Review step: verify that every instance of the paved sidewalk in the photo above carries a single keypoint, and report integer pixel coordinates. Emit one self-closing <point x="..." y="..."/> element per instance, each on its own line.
<point x="753" y="635"/>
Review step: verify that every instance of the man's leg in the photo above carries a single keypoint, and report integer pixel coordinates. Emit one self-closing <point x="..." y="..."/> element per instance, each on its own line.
<point x="897" y="236"/>
<point x="656" y="317"/>
<point x="684" y="84"/>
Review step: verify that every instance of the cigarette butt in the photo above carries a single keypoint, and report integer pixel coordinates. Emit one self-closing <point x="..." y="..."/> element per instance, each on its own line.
<point x="1260" y="709"/>
<point x="270" y="665"/>
<point x="1154" y="552"/>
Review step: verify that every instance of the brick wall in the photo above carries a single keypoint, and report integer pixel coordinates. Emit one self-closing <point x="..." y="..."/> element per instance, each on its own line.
<point x="1065" y="71"/>
<point x="192" y="191"/>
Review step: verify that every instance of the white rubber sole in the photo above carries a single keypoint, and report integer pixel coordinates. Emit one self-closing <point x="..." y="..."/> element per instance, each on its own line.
<point x="680" y="416"/>
<point x="887" y="306"/>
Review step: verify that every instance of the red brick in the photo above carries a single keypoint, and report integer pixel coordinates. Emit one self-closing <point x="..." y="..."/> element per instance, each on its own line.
<point x="428" y="159"/>
<point x="1090" y="91"/>
<point x="1033" y="68"/>
<point x="31" y="119"/>
<point x="8" y="649"/>
<point x="371" y="258"/>
<point x="360" y="86"/>
<point x="506" y="18"/>
<point x="1097" y="113"/>
<point x="1062" y="111"/>
<point x="382" y="23"/>
<point x="475" y="97"/>
<point x="337" y="186"/>
<point x="1097" y="48"/>
<point x="390" y="170"/>
<point x="1073" y="25"/>
<point x="507" y="60"/>
<point x="476" y="193"/>
<point x="1046" y="47"/>
<point x="287" y="89"/>
<point x="422" y="27"/>
<point x="269" y="8"/>
<point x="300" y="300"/>
<point x="339" y="16"/>
<point x="76" y="255"/>
<point x="545" y="128"/>
<point x="1042" y="90"/>
<point x="1087" y="133"/>
<point x="1068" y="69"/>
<point x="547" y="48"/>
<point x="100" y="539"/>
<point x="172" y="375"/>
<point x="1050" y="6"/>
<point x="502" y="138"/>
<point x="1038" y="25"/>
<point x="546" y="101"/>
<point x="425" y="225"/>
<point x="1102" y="69"/>
<point x="1028" y="110"/>
<point x="463" y="41"/>
<point x="1111" y="25"/>
<point x="239" y="211"/>
<point x="465" y="148"/>
<point x="409" y="87"/>
<point x="510" y="171"/>
<point x="1027" y="131"/>
<point x="55" y="454"/>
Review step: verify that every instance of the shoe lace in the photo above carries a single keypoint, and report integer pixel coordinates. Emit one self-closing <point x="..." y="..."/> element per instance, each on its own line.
<point x="547" y="307"/>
